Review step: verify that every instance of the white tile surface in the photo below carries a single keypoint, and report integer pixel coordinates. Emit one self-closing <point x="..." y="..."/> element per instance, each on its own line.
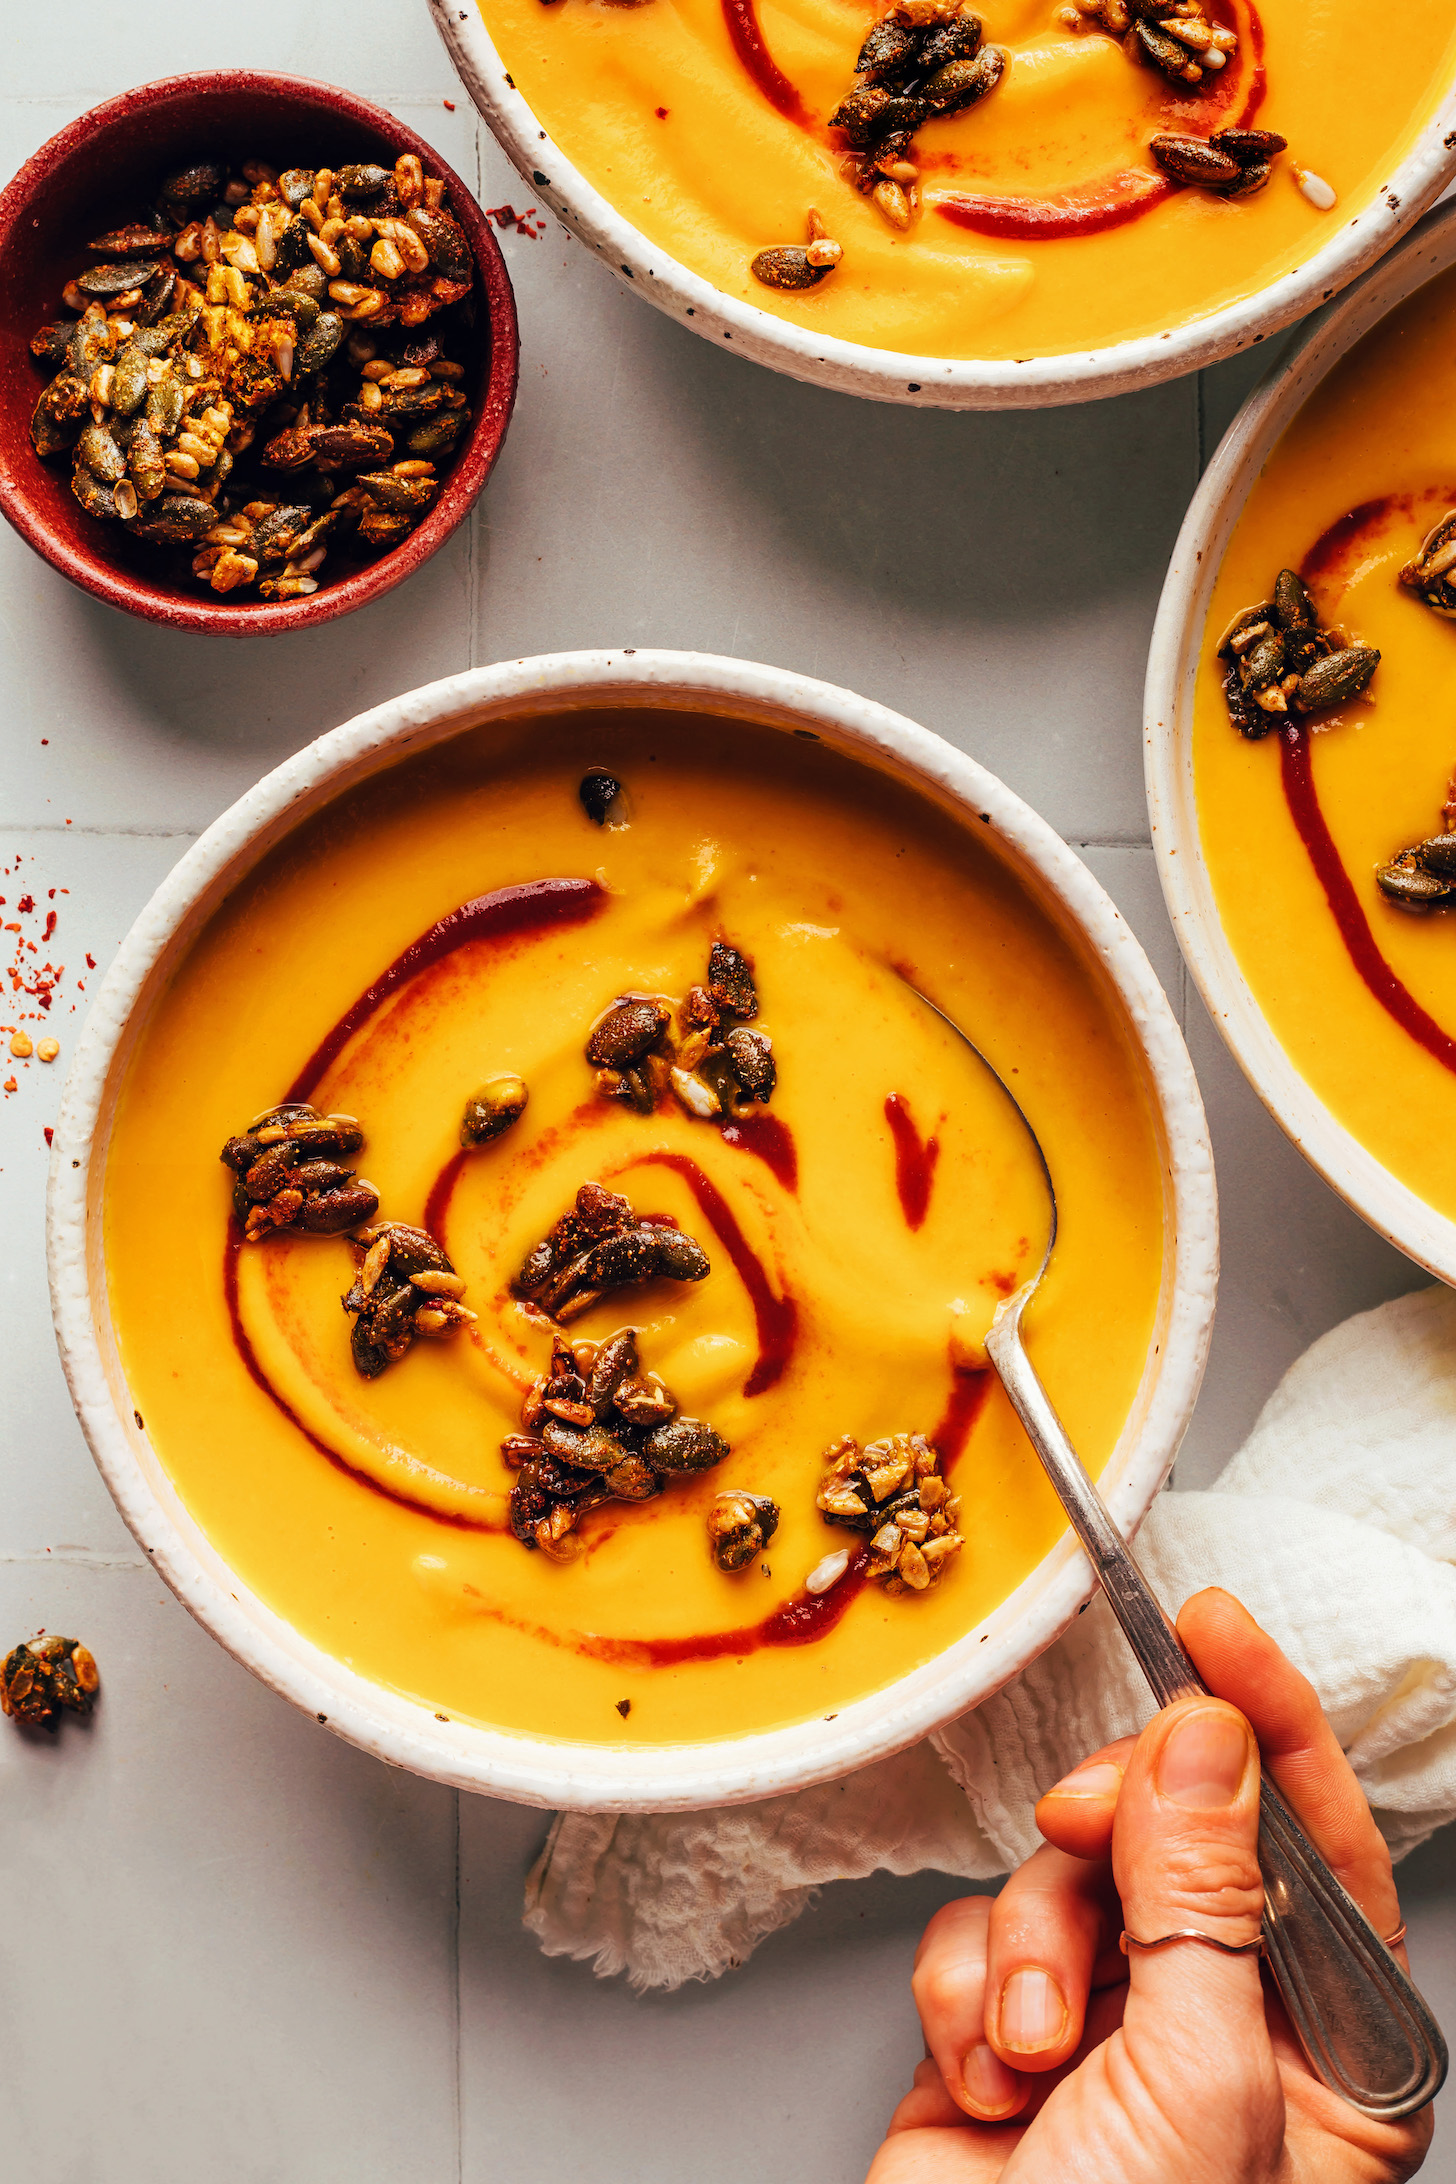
<point x="249" y="1932"/>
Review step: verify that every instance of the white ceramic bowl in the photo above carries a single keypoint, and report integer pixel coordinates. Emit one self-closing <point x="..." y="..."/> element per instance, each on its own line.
<point x="887" y="375"/>
<point x="540" y="1770"/>
<point x="1387" y="1204"/>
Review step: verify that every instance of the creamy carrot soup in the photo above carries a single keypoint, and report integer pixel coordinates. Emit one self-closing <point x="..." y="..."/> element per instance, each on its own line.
<point x="1299" y="825"/>
<point x="832" y="1245"/>
<point x="1033" y="221"/>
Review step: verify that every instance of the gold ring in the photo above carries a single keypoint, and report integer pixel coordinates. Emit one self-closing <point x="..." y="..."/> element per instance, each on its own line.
<point x="1130" y="1942"/>
<point x="1393" y="1941"/>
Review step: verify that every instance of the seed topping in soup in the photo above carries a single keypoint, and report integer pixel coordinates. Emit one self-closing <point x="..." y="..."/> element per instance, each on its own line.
<point x="1331" y="840"/>
<point x="590" y="1341"/>
<point x="1026" y="179"/>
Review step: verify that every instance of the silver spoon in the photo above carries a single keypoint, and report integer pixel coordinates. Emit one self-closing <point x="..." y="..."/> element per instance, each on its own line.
<point x="1365" y="2028"/>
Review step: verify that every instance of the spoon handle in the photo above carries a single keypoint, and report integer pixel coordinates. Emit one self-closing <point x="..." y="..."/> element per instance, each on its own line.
<point x="1366" y="2030"/>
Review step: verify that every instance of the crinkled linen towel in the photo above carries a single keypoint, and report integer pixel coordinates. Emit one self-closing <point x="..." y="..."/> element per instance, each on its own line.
<point x="1335" y="1524"/>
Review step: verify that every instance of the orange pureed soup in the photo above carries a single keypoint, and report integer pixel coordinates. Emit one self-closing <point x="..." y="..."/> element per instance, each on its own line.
<point x="1361" y="993"/>
<point x="857" y="1251"/>
<point x="1046" y="225"/>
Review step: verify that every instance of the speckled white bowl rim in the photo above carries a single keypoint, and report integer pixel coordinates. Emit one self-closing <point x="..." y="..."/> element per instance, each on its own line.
<point x="1361" y="1180"/>
<point x="538" y="1770"/>
<point x="884" y="375"/>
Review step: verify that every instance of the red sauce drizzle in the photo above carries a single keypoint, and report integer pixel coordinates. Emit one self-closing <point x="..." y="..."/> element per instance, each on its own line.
<point x="1393" y="995"/>
<point x="507" y="912"/>
<point x="773" y="1141"/>
<point x="242" y="1343"/>
<point x="801" y="1621"/>
<point x="747" y="40"/>
<point x="808" y="1617"/>
<point x="442" y="1190"/>
<point x="1091" y="210"/>
<point x="970" y="1386"/>
<point x="777" y="1318"/>
<point x="915" y="1159"/>
<point x="1331" y="547"/>
<point x="1116" y="198"/>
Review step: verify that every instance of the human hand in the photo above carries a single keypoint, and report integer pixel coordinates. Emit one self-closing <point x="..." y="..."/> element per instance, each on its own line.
<point x="1053" y="2059"/>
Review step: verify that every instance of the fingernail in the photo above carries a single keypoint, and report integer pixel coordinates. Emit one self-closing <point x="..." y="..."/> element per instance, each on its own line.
<point x="1203" y="1761"/>
<point x="1101" y="1779"/>
<point x="989" y="2085"/>
<point x="1033" y="2013"/>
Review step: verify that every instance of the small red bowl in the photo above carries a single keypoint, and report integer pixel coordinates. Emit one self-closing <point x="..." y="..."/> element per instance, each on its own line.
<point x="104" y="168"/>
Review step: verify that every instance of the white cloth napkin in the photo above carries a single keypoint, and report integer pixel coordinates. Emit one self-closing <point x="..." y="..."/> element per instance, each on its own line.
<point x="1335" y="1524"/>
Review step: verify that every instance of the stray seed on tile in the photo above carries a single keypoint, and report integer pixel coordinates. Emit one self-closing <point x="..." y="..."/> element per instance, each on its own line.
<point x="21" y="1047"/>
<point x="48" y="1049"/>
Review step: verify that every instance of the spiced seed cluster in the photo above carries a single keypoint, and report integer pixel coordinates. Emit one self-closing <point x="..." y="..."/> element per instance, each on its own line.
<point x="289" y="1175"/>
<point x="1423" y="875"/>
<point x="925" y="58"/>
<point x="404" y="1286"/>
<point x="43" y="1676"/>
<point x="599" y="1246"/>
<point x="1431" y="573"/>
<point x="893" y="1490"/>
<point x="596" y="1429"/>
<point x="710" y="1062"/>
<point x="1279" y="659"/>
<point x="254" y="327"/>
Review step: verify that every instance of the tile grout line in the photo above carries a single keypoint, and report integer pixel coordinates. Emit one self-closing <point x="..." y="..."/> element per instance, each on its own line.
<point x="75" y="1558"/>
<point x="136" y="834"/>
<point x="455" y="1969"/>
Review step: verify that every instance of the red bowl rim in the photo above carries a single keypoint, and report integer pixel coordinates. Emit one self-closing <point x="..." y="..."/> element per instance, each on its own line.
<point x="472" y="467"/>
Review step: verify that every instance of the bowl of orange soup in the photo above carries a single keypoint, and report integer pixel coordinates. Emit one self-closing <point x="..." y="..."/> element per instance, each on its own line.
<point x="999" y="207"/>
<point x="1300" y="746"/>
<point x="565" y="1023"/>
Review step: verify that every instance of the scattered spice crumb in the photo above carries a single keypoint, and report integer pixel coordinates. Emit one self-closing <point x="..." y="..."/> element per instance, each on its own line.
<point x="50" y="1137"/>
<point x="449" y="106"/>
<point x="529" y="223"/>
<point x="624" y="1707"/>
<point x="136" y="1414"/>
<point x="11" y="1085"/>
<point x="662" y="113"/>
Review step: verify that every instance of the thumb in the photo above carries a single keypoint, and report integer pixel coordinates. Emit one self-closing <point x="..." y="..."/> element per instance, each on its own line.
<point x="1184" y="1855"/>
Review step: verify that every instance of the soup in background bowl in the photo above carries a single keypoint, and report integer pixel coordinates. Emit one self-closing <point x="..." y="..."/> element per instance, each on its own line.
<point x="1286" y="828"/>
<point x="548" y="1598"/>
<point x="1016" y="204"/>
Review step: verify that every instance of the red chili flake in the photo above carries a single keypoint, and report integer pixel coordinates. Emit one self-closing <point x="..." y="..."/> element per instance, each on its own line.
<point x="50" y="1137"/>
<point x="662" y="113"/>
<point x="90" y="962"/>
<point x="50" y="894"/>
<point x="449" y="105"/>
<point x="506" y="216"/>
<point x="50" y="925"/>
<point x="25" y="905"/>
<point x="11" y="1085"/>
